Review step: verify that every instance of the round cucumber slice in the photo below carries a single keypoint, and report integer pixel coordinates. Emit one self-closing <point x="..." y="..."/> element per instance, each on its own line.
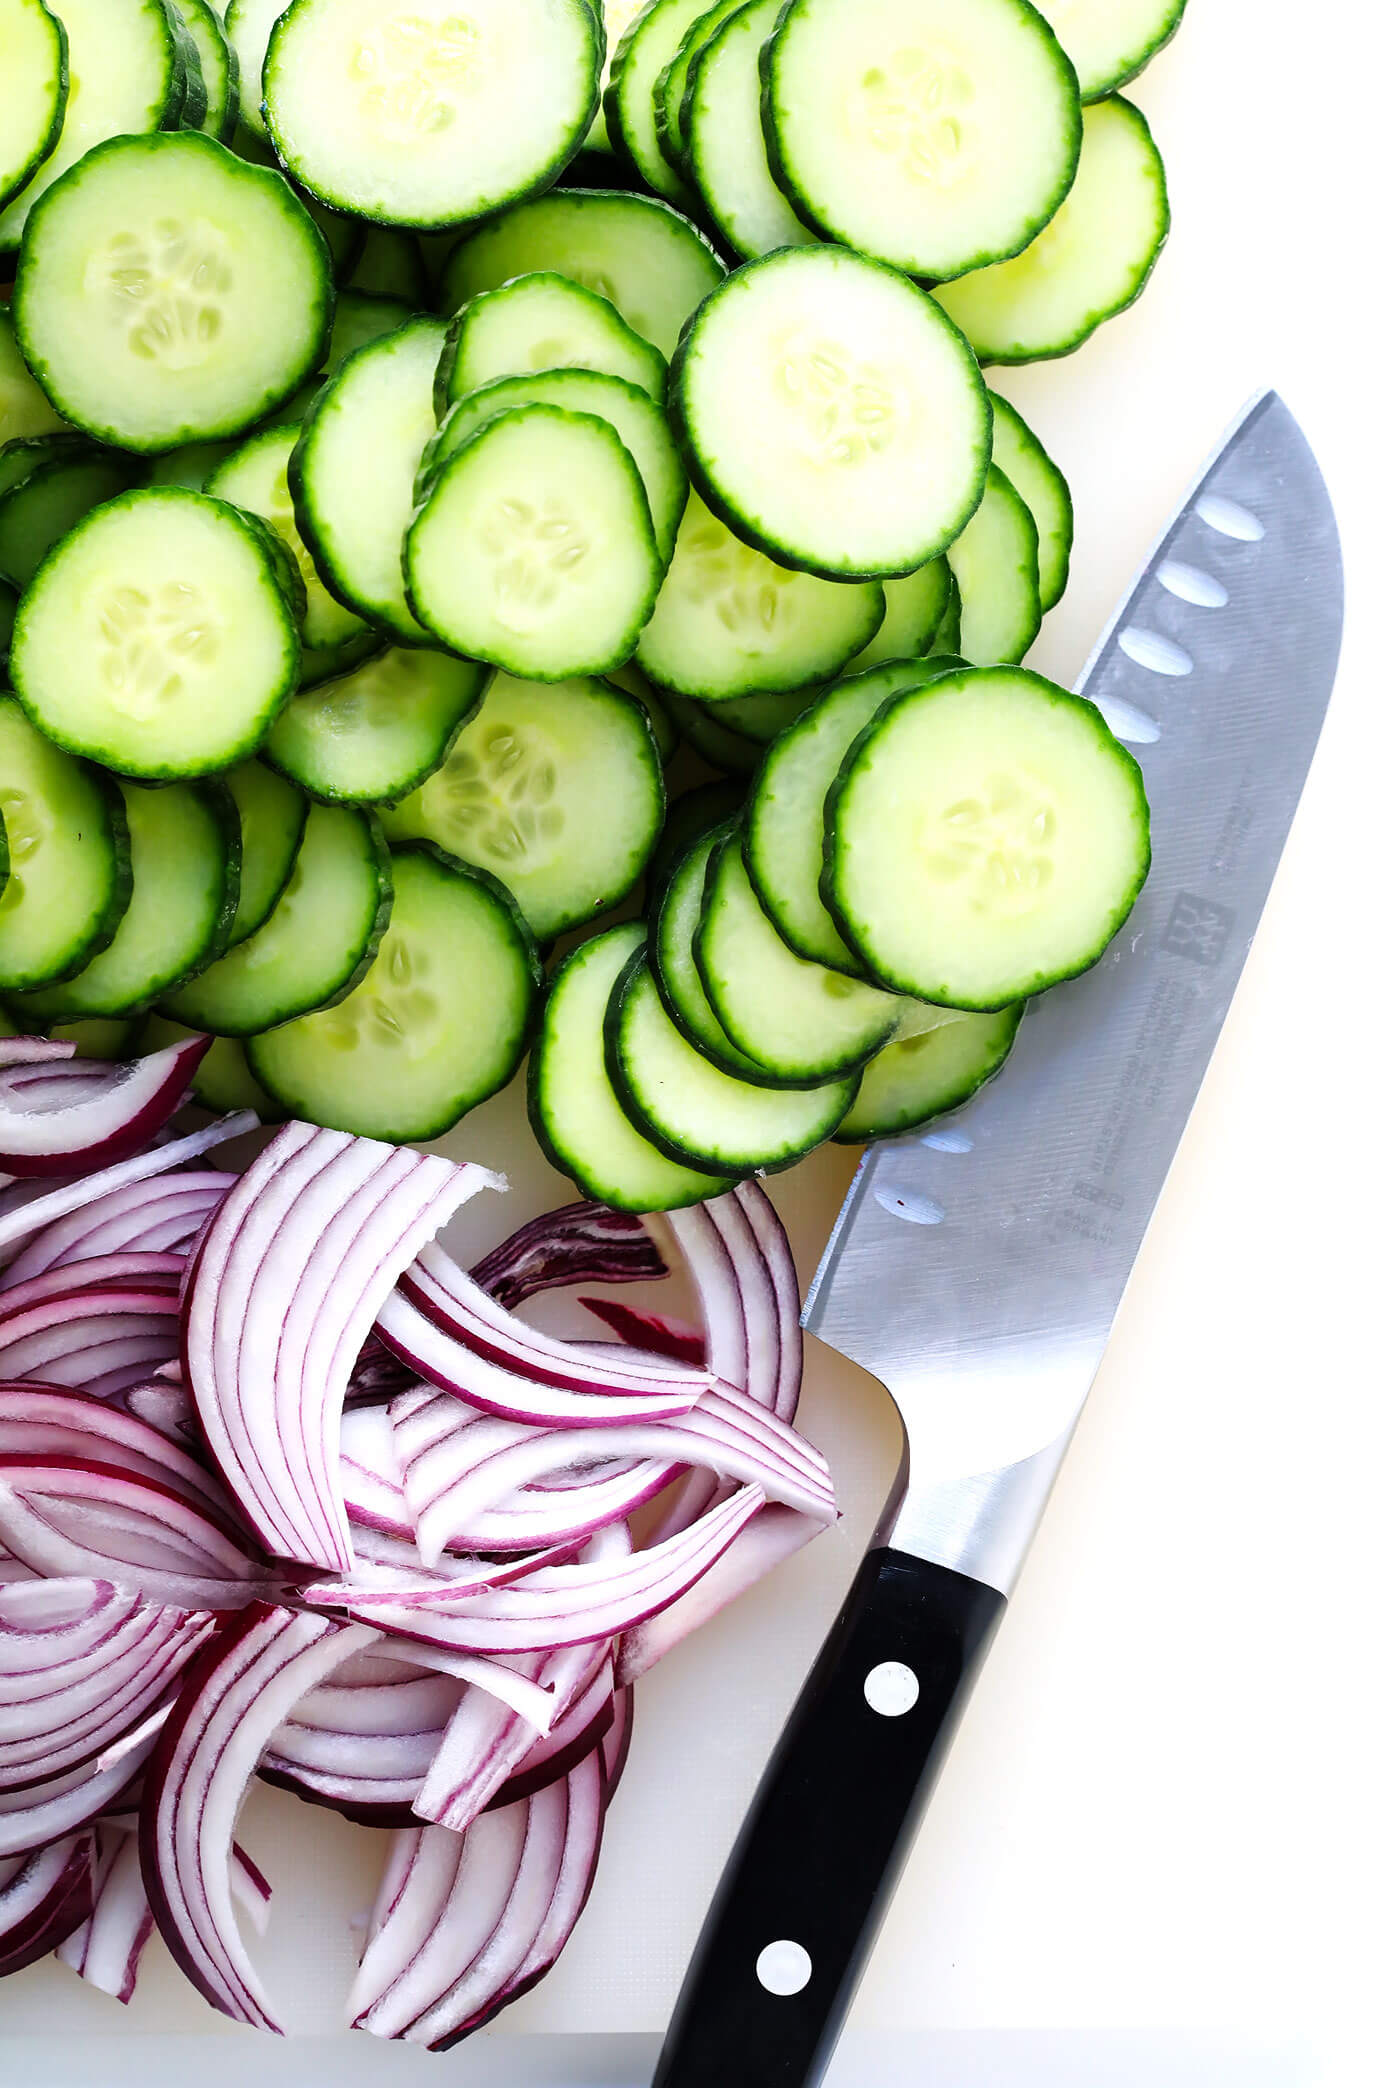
<point x="574" y="1111"/>
<point x="555" y="789"/>
<point x="1042" y="486"/>
<point x="914" y="609"/>
<point x="725" y="149"/>
<point x="939" y="135"/>
<point x="156" y="637"/>
<point x="360" y="317"/>
<point x="64" y="857"/>
<point x="218" y="65"/>
<point x="690" y="817"/>
<point x="995" y="562"/>
<point x="534" y="547"/>
<point x="411" y="112"/>
<point x="617" y="17"/>
<point x="938" y="1068"/>
<point x="631" y="104"/>
<point x="169" y="293"/>
<point x="731" y="752"/>
<point x="830" y="416"/>
<point x="438" y="1024"/>
<point x="271" y="814"/>
<point x="35" y="44"/>
<point x="25" y="411"/>
<point x="249" y="25"/>
<point x="39" y="511"/>
<point x="391" y="265"/>
<point x="377" y="733"/>
<point x="672" y="955"/>
<point x="987" y="837"/>
<point x="254" y="478"/>
<point x="1091" y="263"/>
<point x="634" y="683"/>
<point x="543" y="322"/>
<point x="1110" y="41"/>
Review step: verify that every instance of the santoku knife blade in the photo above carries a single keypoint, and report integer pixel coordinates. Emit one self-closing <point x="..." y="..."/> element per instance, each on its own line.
<point x="976" y="1269"/>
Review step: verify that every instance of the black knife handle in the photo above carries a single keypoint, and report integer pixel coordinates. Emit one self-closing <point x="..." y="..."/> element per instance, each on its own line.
<point x="821" y="1849"/>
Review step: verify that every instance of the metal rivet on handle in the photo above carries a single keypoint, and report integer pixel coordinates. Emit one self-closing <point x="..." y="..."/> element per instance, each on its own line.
<point x="783" y="1968"/>
<point x="891" y="1689"/>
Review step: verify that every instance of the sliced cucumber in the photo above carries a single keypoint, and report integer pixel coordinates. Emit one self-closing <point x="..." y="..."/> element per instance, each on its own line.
<point x="125" y="75"/>
<point x="986" y="838"/>
<point x="157" y="637"/>
<point x="169" y="293"/>
<point x="690" y="817"/>
<point x="939" y="135"/>
<point x="438" y="1024"/>
<point x="35" y="45"/>
<point x="64" y="844"/>
<point x="725" y="137"/>
<point x="101" y="1038"/>
<point x="1091" y="263"/>
<point x="534" y="547"/>
<point x="554" y="788"/>
<point x="914" y="610"/>
<point x="948" y="636"/>
<point x="413" y="113"/>
<point x="271" y="814"/>
<point x="320" y="666"/>
<point x="631" y="99"/>
<point x="729" y="622"/>
<point x="318" y="941"/>
<point x="692" y="1110"/>
<point x="763" y="717"/>
<point x="353" y="472"/>
<point x="801" y="1022"/>
<point x="391" y="265"/>
<point x="222" y="1079"/>
<point x="666" y="738"/>
<point x="640" y="425"/>
<point x="185" y="859"/>
<point x="193" y="108"/>
<point x="217" y="63"/>
<point x="9" y="602"/>
<point x="701" y="728"/>
<point x="191" y="465"/>
<point x="938" y="1068"/>
<point x="249" y="26"/>
<point x="829" y="416"/>
<point x="649" y="261"/>
<point x="381" y="730"/>
<point x="37" y="512"/>
<point x="543" y="322"/>
<point x="616" y="17"/>
<point x="995" y="562"/>
<point x="571" y="1101"/>
<point x="1110" y="41"/>
<point x="672" y="956"/>
<point x="25" y="411"/>
<point x="360" y="318"/>
<point x="254" y="478"/>
<point x="786" y="818"/>
<point x="1043" y="488"/>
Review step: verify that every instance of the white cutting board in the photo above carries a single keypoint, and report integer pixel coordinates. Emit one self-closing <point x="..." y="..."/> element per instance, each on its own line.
<point x="1165" y="1817"/>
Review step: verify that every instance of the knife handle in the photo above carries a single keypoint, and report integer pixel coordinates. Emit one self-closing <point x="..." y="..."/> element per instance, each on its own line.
<point x="820" y="1852"/>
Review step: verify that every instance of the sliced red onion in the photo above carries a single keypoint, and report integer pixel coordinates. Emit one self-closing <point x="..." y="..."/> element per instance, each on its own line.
<point x="55" y="1421"/>
<point x="116" y="1109"/>
<point x="163" y="1404"/>
<point x="104" y="1340"/>
<point x="369" y="1475"/>
<point x="21" y="1224"/>
<point x="127" y="1271"/>
<point x="555" y="1754"/>
<point x="82" y="1517"/>
<point x="377" y="1375"/>
<point x="106" y="1949"/>
<point x="772" y="1243"/>
<point x="286" y="1284"/>
<point x="763" y="1544"/>
<point x="242" y="1687"/>
<point x="43" y="1812"/>
<point x="251" y="1889"/>
<point x="485" y="1743"/>
<point x="617" y="1741"/>
<point x="509" y="1682"/>
<point x="656" y="1332"/>
<point x="160" y="1215"/>
<point x="43" y="1898"/>
<point x="35" y="1051"/>
<point x="581" y="1243"/>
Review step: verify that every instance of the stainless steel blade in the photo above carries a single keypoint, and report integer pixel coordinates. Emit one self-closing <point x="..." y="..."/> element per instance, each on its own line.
<point x="977" y="1269"/>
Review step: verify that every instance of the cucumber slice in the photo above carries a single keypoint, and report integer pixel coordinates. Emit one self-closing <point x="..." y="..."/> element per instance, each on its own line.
<point x="381" y="730"/>
<point x="801" y="1022"/>
<point x="919" y="1077"/>
<point x="986" y="838"/>
<point x="353" y="472"/>
<point x="191" y="465"/>
<point x="26" y="454"/>
<point x="360" y="318"/>
<point x="995" y="562"/>
<point x="914" y="610"/>
<point x="701" y="728"/>
<point x="666" y="738"/>
<point x="320" y="666"/>
<point x="672" y="92"/>
<point x="1091" y="263"/>
<point x="830" y="417"/>
<point x="185" y="859"/>
<point x="631" y="98"/>
<point x="646" y="258"/>
<point x="939" y="135"/>
<point x="64" y="845"/>
<point x="672" y="956"/>
<point x="786" y="817"/>
<point x="218" y="65"/>
<point x="574" y="1111"/>
<point x="390" y="265"/>
<point x="413" y="113"/>
<point x="690" y="817"/>
<point x="725" y="153"/>
<point x="9" y="602"/>
<point x="249" y="25"/>
<point x="254" y="478"/>
<point x="36" y="90"/>
<point x="616" y="16"/>
<point x="168" y="293"/>
<point x="1110" y="41"/>
<point x="763" y="717"/>
<point x="39" y="511"/>
<point x="316" y="944"/>
<point x="98" y="1039"/>
<point x="534" y="547"/>
<point x="438" y="1024"/>
<point x="271" y="814"/>
<point x="222" y="1080"/>
<point x="25" y="411"/>
<point x="693" y="1111"/>
<point x="157" y="637"/>
<point x="543" y="322"/>
<point x="948" y="636"/>
<point x="125" y="75"/>
<point x="1043" y="488"/>
<point x="729" y="622"/>
<point x="555" y="789"/>
<point x="640" y="425"/>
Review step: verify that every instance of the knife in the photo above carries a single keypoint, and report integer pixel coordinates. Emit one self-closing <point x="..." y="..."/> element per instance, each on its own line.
<point x="976" y="1268"/>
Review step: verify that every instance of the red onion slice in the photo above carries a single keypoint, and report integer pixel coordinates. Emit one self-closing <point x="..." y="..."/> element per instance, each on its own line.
<point x="117" y="1109"/>
<point x="106" y="1950"/>
<point x="555" y="1754"/>
<point x="35" y="1051"/>
<point x="616" y="1742"/>
<point x="159" y="1215"/>
<point x="586" y="1800"/>
<point x="103" y="1340"/>
<point x="581" y="1243"/>
<point x="55" y="1421"/>
<point x="42" y="1812"/>
<point x="656" y="1332"/>
<point x="763" y="1544"/>
<point x="43" y="1898"/>
<point x="21" y="1224"/>
<point x="485" y="1744"/>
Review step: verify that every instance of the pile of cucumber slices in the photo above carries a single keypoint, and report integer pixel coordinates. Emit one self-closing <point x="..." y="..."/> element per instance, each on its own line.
<point x="423" y="422"/>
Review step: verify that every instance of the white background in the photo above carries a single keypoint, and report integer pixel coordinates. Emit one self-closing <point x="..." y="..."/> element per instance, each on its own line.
<point x="1161" y="1849"/>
